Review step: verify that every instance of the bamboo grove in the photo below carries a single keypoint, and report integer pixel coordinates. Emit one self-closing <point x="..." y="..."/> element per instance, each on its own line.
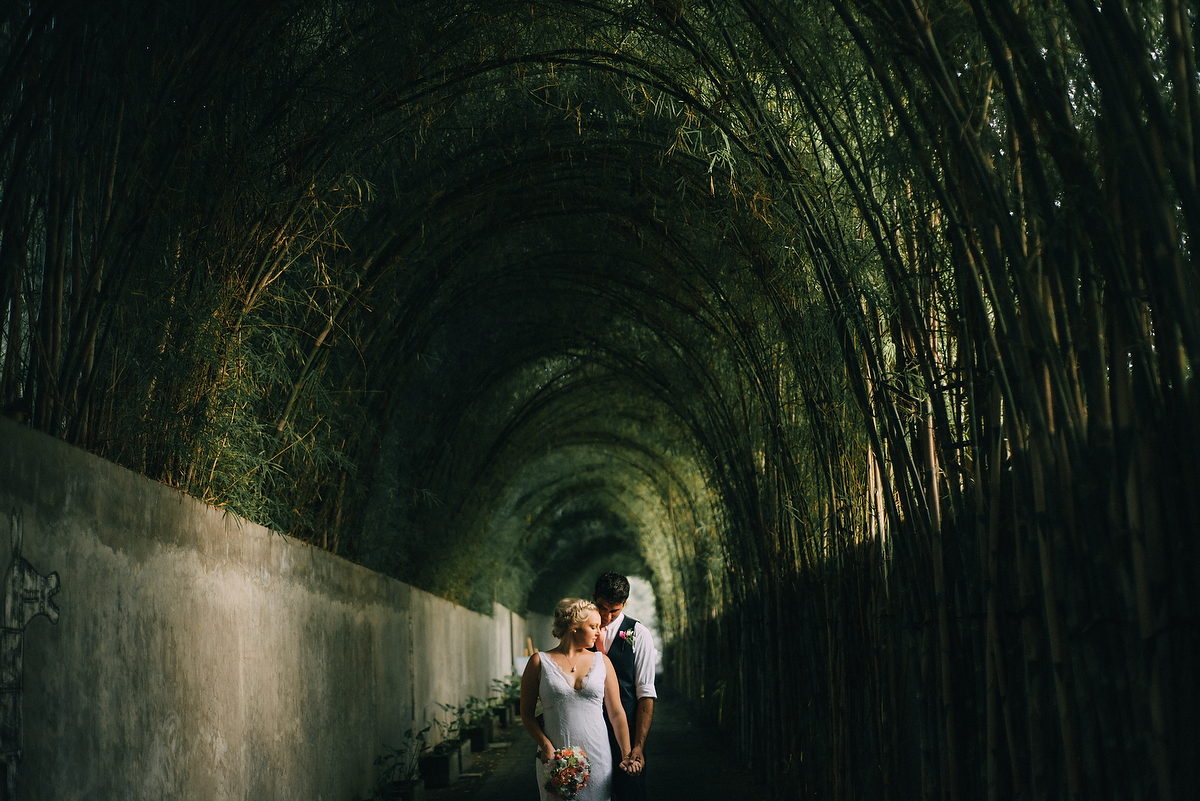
<point x="874" y="321"/>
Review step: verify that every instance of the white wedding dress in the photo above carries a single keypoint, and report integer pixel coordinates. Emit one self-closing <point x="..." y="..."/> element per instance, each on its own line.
<point x="576" y="718"/>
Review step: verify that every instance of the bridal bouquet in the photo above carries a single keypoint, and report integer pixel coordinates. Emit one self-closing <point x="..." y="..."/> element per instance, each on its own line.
<point x="567" y="772"/>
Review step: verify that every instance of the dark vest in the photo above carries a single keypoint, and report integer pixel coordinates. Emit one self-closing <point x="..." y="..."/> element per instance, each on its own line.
<point x="624" y="786"/>
<point x="622" y="658"/>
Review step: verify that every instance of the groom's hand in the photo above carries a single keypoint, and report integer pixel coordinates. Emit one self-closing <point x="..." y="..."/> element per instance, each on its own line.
<point x="636" y="756"/>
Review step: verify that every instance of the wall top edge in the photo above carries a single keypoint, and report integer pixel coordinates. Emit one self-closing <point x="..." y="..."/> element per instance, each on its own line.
<point x="64" y="491"/>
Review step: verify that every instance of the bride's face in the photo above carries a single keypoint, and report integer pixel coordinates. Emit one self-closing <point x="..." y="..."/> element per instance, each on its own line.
<point x="589" y="630"/>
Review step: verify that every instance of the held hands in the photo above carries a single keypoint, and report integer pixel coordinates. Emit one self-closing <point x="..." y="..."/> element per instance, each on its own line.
<point x="633" y="762"/>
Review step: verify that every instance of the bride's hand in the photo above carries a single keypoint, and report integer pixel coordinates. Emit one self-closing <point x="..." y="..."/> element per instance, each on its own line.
<point x="546" y="751"/>
<point x="631" y="765"/>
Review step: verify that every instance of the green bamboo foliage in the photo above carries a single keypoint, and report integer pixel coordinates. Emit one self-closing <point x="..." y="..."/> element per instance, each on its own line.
<point x="170" y="226"/>
<point x="871" y="323"/>
<point x="1013" y="263"/>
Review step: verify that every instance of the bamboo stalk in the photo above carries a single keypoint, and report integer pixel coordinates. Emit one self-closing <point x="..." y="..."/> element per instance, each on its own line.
<point x="946" y="670"/>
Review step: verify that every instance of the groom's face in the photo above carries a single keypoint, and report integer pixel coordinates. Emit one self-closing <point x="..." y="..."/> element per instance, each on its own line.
<point x="608" y="610"/>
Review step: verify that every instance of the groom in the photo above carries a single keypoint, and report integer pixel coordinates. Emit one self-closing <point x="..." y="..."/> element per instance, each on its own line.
<point x="631" y="649"/>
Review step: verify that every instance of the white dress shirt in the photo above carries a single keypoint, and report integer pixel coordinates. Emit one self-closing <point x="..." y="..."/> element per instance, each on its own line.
<point x="644" y="655"/>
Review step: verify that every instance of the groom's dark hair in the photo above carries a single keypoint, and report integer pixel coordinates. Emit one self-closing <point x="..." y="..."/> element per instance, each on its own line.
<point x="612" y="587"/>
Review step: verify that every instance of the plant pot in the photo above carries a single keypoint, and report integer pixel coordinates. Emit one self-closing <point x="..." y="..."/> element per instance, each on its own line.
<point x="477" y="737"/>
<point x="439" y="770"/>
<point x="464" y="755"/>
<point x="501" y="714"/>
<point x="482" y="732"/>
<point x="407" y="790"/>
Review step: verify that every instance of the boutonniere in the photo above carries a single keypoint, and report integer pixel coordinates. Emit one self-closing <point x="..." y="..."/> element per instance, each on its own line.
<point x="627" y="636"/>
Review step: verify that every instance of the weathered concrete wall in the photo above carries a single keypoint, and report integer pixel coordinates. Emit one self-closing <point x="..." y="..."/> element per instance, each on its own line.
<point x="541" y="628"/>
<point x="201" y="656"/>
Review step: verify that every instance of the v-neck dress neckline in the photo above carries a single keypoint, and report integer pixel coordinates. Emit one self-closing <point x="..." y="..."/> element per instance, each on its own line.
<point x="567" y="677"/>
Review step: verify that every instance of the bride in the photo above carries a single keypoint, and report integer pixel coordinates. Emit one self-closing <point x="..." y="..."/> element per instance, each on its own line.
<point x="576" y="685"/>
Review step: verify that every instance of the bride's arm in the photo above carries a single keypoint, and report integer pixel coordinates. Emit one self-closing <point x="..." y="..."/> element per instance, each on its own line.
<point x="529" y="694"/>
<point x="616" y="715"/>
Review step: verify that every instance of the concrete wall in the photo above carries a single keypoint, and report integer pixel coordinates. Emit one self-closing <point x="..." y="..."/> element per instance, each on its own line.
<point x="201" y="656"/>
<point x="540" y="628"/>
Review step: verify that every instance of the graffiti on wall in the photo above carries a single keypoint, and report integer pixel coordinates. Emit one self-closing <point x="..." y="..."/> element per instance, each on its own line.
<point x="26" y="595"/>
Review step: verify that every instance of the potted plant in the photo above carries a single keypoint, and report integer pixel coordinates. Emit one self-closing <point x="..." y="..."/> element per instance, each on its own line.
<point x="508" y="701"/>
<point x="439" y="765"/>
<point x="481" y="722"/>
<point x="454" y="734"/>
<point x="399" y="779"/>
<point x="500" y="712"/>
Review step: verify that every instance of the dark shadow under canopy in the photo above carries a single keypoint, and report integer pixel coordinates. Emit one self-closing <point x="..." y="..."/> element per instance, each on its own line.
<point x="864" y="331"/>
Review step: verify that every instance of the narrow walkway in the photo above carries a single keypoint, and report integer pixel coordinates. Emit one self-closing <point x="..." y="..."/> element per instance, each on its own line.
<point x="684" y="761"/>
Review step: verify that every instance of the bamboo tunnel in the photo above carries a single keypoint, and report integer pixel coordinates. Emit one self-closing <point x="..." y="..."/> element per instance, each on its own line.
<point x="864" y="329"/>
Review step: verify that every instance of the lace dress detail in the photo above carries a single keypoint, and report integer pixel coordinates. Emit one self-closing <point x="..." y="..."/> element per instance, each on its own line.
<point x="576" y="718"/>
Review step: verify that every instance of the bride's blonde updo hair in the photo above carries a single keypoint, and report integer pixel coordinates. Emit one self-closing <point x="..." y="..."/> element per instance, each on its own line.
<point x="569" y="613"/>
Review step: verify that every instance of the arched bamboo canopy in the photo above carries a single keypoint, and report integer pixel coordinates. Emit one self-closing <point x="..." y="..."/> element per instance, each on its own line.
<point x="863" y="329"/>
